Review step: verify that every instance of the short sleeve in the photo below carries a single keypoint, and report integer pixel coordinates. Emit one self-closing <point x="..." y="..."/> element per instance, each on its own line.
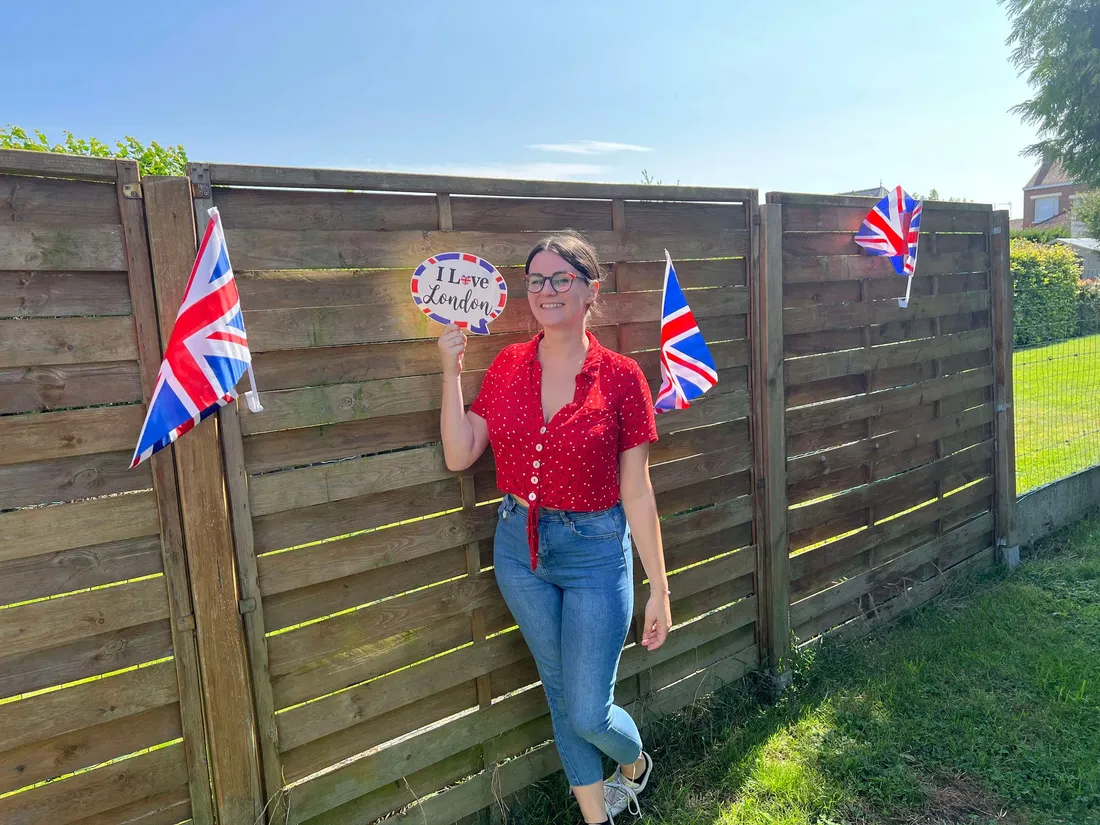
<point x="637" y="422"/>
<point x="487" y="395"/>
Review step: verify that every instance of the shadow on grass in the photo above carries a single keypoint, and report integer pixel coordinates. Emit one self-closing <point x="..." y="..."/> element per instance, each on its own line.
<point x="981" y="707"/>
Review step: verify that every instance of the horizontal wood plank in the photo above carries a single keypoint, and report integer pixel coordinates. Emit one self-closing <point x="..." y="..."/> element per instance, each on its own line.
<point x="806" y="267"/>
<point x="36" y="247"/>
<point x="637" y="276"/>
<point x="280" y="572"/>
<point x="24" y="389"/>
<point x="38" y="342"/>
<point x="40" y="436"/>
<point x="65" y="571"/>
<point x="226" y="174"/>
<point x="169" y="808"/>
<point x="100" y="790"/>
<point x="85" y="658"/>
<point x="69" y="752"/>
<point x="69" y="479"/>
<point x="54" y="622"/>
<point x="837" y="218"/>
<point x="85" y="705"/>
<point x="37" y="294"/>
<point x="932" y="245"/>
<point x="845" y="316"/>
<point x="57" y="203"/>
<point x="325" y="521"/>
<point x="647" y="336"/>
<point x="848" y="362"/>
<point x="487" y="214"/>
<point x="55" y="164"/>
<point x="341" y="249"/>
<point x="290" y="210"/>
<point x="34" y="532"/>
<point x="652" y="216"/>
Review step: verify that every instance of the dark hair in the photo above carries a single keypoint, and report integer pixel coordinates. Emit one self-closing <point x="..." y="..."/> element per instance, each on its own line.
<point x="575" y="249"/>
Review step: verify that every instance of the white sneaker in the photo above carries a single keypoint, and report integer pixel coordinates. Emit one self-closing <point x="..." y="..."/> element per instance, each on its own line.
<point x="621" y="794"/>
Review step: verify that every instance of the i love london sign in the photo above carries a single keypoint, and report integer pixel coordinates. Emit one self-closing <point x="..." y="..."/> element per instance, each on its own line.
<point x="460" y="288"/>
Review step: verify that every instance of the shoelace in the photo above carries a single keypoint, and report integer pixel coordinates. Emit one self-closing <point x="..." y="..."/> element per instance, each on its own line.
<point x="616" y="790"/>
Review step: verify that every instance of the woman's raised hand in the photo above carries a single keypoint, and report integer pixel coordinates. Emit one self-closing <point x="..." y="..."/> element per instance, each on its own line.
<point x="452" y="346"/>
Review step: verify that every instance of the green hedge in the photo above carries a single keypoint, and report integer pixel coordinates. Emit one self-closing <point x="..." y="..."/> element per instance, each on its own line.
<point x="1040" y="234"/>
<point x="1088" y="308"/>
<point x="1045" y="289"/>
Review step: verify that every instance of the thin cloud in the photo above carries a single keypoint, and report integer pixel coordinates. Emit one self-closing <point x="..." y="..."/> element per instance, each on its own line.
<point x="590" y="147"/>
<point x="523" y="171"/>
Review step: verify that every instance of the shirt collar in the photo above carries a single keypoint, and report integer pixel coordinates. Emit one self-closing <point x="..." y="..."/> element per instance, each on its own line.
<point x="592" y="358"/>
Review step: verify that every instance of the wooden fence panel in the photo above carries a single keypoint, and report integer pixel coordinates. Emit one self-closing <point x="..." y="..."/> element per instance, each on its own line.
<point x="889" y="412"/>
<point x="377" y="640"/>
<point x="100" y="711"/>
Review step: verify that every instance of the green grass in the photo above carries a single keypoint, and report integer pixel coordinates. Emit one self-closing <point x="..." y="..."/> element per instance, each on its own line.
<point x="1057" y="410"/>
<point x="981" y="707"/>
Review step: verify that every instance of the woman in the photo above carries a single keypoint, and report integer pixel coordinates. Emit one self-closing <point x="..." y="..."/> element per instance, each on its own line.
<point x="570" y="423"/>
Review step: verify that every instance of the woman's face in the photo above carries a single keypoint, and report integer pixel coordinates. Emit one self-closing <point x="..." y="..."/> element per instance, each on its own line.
<point x="557" y="309"/>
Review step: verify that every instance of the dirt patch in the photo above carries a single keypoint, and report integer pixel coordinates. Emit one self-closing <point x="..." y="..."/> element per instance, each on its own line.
<point x="958" y="800"/>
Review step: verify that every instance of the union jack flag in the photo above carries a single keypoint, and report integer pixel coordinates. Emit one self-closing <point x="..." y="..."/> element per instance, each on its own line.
<point x="207" y="352"/>
<point x="687" y="369"/>
<point x="892" y="228"/>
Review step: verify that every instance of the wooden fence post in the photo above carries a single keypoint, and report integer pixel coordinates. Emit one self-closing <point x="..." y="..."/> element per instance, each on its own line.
<point x="1008" y="548"/>
<point x="771" y="449"/>
<point x="230" y="721"/>
<point x="164" y="482"/>
<point x="229" y="425"/>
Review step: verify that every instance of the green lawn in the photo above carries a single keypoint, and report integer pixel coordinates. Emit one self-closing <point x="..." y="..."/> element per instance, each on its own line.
<point x="1057" y="406"/>
<point x="981" y="707"/>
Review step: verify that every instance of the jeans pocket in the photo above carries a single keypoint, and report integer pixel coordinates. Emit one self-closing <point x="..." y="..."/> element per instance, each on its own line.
<point x="599" y="528"/>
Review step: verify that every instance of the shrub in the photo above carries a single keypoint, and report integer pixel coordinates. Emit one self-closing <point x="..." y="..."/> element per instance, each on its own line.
<point x="1040" y="234"/>
<point x="1088" y="308"/>
<point x="1044" y="280"/>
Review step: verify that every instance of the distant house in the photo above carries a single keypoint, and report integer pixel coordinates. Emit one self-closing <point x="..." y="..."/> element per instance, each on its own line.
<point x="1089" y="252"/>
<point x="1048" y="199"/>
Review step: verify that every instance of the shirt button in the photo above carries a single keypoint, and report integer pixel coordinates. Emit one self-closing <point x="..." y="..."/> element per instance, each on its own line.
<point x="537" y="464"/>
<point x="542" y="430"/>
<point x="531" y="497"/>
<point x="538" y="448"/>
<point x="534" y="479"/>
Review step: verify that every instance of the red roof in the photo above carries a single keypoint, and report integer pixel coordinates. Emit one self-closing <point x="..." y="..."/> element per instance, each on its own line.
<point x="1050" y="173"/>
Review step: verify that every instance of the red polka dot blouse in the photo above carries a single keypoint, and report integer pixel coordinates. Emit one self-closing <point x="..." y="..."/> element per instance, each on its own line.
<point x="572" y="461"/>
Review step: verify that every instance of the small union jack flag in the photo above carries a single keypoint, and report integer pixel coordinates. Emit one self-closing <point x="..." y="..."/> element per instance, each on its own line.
<point x="207" y="352"/>
<point x="687" y="368"/>
<point x="892" y="228"/>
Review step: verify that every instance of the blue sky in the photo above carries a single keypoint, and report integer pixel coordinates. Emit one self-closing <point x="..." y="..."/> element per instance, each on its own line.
<point x="798" y="95"/>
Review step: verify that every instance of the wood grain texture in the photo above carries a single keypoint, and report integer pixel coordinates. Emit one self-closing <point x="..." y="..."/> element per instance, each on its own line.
<point x="845" y="316"/>
<point x="55" y="622"/>
<point x="184" y="646"/>
<point x="29" y="533"/>
<point x="340" y="249"/>
<point x="37" y="247"/>
<point x="47" y="341"/>
<point x="207" y="533"/>
<point x="58" y="203"/>
<point x="69" y="479"/>
<point x="26" y="389"/>
<point x="1003" y="395"/>
<point x="636" y="276"/>
<point x="99" y="790"/>
<point x="53" y="714"/>
<point x="809" y="267"/>
<point x="935" y="217"/>
<point x="224" y="174"/>
<point x="169" y="808"/>
<point x="290" y="210"/>
<point x="525" y="215"/>
<point x="52" y="164"/>
<point x="65" y="571"/>
<point x="36" y="294"/>
<point x="39" y="436"/>
<point x="84" y="658"/>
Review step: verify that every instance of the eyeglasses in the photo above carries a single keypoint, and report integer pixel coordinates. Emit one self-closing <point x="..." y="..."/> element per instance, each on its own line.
<point x="559" y="281"/>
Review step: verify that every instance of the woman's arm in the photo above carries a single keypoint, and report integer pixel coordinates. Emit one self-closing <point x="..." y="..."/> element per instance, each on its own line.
<point x="640" y="507"/>
<point x="465" y="434"/>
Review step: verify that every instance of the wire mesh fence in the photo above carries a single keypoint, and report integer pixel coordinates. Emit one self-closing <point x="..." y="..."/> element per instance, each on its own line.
<point x="1057" y="396"/>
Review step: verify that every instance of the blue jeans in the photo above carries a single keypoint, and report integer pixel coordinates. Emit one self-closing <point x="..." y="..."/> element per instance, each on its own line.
<point x="574" y="611"/>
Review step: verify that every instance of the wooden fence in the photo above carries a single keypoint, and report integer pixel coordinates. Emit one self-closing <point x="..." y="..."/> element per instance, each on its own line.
<point x="99" y="677"/>
<point x="309" y="590"/>
<point x="891" y="438"/>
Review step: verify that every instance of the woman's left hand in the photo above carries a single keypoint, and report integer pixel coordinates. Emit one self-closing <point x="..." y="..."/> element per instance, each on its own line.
<point x="658" y="619"/>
